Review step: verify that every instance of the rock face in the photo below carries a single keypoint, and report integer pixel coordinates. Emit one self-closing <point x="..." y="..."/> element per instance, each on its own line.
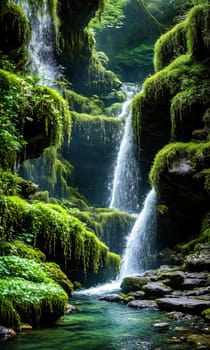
<point x="174" y="107"/>
<point x="91" y="151"/>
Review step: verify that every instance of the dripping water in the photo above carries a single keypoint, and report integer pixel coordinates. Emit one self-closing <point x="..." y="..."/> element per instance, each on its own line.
<point x="125" y="184"/>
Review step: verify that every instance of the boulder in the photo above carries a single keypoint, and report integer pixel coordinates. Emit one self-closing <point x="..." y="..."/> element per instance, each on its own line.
<point x="155" y="289"/>
<point x="183" y="304"/>
<point x="173" y="278"/>
<point x="143" y="304"/>
<point x="198" y="262"/>
<point x="112" y="298"/>
<point x="133" y="283"/>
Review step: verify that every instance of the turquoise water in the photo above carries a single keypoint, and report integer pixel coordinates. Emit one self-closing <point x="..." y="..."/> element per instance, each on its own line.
<point x="99" y="325"/>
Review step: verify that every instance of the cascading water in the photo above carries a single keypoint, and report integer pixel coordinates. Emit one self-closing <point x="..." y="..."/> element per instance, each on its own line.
<point x="41" y="44"/>
<point x="124" y="194"/>
<point x="140" y="240"/>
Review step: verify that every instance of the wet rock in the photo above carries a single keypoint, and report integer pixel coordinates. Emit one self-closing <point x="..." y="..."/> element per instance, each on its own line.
<point x="161" y="325"/>
<point x="155" y="289"/>
<point x="112" y="298"/>
<point x="173" y="278"/>
<point x="143" y="304"/>
<point x="133" y="283"/>
<point x="198" y="262"/>
<point x="184" y="304"/>
<point x="194" y="280"/>
<point x="139" y="294"/>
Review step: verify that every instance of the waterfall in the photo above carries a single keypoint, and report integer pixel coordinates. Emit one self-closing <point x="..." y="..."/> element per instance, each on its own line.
<point x="41" y="44"/>
<point x="140" y="240"/>
<point x="124" y="194"/>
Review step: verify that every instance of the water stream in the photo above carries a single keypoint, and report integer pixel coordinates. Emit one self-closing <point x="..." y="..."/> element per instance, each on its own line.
<point x="125" y="184"/>
<point x="101" y="326"/>
<point x="41" y="48"/>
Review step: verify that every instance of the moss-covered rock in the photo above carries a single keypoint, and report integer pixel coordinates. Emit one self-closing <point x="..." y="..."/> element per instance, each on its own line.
<point x="110" y="226"/>
<point x="133" y="283"/>
<point x="15" y="33"/>
<point x="175" y="100"/>
<point x="31" y="114"/>
<point x="176" y="174"/>
<point x="60" y="236"/>
<point x="28" y="294"/>
<point x="91" y="152"/>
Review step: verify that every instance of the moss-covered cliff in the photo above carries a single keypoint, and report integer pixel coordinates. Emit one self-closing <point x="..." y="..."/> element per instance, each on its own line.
<point x="174" y="108"/>
<point x="36" y="122"/>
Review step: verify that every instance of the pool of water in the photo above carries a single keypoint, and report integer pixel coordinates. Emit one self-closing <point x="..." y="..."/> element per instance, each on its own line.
<point x="100" y="325"/>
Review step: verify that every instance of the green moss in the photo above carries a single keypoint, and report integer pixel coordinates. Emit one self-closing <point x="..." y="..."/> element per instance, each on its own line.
<point x="26" y="106"/>
<point x="22" y="250"/>
<point x="110" y="226"/>
<point x="196" y="155"/>
<point x="28" y="294"/>
<point x="170" y="45"/>
<point x="206" y="315"/>
<point x="56" y="233"/>
<point x="53" y="173"/>
<point x="82" y="104"/>
<point x="192" y="36"/>
<point x="55" y="273"/>
<point x="101" y="127"/>
<point x="15" y="32"/>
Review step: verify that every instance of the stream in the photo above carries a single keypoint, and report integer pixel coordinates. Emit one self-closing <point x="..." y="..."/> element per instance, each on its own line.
<point x="100" y="325"/>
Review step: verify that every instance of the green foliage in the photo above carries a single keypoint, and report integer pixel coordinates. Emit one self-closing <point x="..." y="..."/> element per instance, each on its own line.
<point x="32" y="302"/>
<point x="113" y="15"/>
<point x="15" y="33"/>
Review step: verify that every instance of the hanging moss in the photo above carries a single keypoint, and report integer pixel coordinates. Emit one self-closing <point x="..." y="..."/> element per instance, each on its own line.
<point x="110" y="226"/>
<point x="27" y="107"/>
<point x="59" y="235"/>
<point x="192" y="36"/>
<point x="81" y="104"/>
<point x="170" y="45"/>
<point x="100" y="127"/>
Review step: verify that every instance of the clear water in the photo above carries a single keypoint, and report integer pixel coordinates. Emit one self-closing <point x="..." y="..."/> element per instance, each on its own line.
<point x="99" y="325"/>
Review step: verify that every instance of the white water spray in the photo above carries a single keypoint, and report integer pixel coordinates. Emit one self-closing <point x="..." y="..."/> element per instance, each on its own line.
<point x="41" y="44"/>
<point x="139" y="247"/>
<point x="124" y="194"/>
<point x="140" y="240"/>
